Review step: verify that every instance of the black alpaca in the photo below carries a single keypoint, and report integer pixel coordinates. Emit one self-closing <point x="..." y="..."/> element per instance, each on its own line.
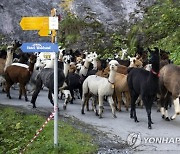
<point x="46" y="78"/>
<point x="144" y="83"/>
<point x="74" y="82"/>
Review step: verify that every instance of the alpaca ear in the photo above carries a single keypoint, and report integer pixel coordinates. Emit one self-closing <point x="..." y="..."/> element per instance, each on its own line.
<point x="63" y="52"/>
<point x="156" y="50"/>
<point x="71" y="52"/>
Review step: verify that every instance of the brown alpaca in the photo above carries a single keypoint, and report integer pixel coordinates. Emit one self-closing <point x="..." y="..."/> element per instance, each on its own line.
<point x="170" y="86"/>
<point x="72" y="67"/>
<point x="21" y="75"/>
<point x="121" y="86"/>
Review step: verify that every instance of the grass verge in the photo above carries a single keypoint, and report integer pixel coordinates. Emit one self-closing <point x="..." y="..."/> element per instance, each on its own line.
<point x="18" y="128"/>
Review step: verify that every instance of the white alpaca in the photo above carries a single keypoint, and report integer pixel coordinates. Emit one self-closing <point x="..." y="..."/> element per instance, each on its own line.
<point x="94" y="62"/>
<point x="66" y="63"/>
<point x="9" y="57"/>
<point x="8" y="62"/>
<point x="49" y="63"/>
<point x="67" y="96"/>
<point x="101" y="87"/>
<point x="78" y="67"/>
<point x="39" y="64"/>
<point x="84" y="69"/>
<point x="124" y="52"/>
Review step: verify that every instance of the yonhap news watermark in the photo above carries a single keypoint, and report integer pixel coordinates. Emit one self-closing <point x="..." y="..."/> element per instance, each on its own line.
<point x="136" y="139"/>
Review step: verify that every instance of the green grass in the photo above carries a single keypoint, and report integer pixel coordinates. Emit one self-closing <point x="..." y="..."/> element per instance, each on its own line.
<point x="17" y="129"/>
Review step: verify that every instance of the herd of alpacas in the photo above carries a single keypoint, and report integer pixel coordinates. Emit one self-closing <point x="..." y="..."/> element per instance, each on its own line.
<point x="144" y="79"/>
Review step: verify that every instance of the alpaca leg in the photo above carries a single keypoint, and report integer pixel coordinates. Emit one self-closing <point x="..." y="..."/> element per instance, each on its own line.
<point x="164" y="106"/>
<point x="128" y="98"/>
<point x="148" y="104"/>
<point x="50" y="97"/>
<point x="168" y="100"/>
<point x="119" y="99"/>
<point x="94" y="106"/>
<point x="87" y="102"/>
<point x="8" y="86"/>
<point x="80" y="91"/>
<point x="176" y="108"/>
<point x="23" y="91"/>
<point x="65" y="104"/>
<point x="84" y="99"/>
<point x="115" y="100"/>
<point x="20" y="91"/>
<point x="100" y="106"/>
<point x="36" y="92"/>
<point x="72" y="94"/>
<point x="133" y="106"/>
<point x="111" y="102"/>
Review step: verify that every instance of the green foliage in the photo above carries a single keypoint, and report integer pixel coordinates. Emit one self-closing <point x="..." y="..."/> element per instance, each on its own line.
<point x="159" y="27"/>
<point x="70" y="28"/>
<point x="17" y="129"/>
<point x="161" y="20"/>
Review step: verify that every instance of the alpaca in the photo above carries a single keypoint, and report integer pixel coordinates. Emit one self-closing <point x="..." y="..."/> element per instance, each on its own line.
<point x="46" y="78"/>
<point x="18" y="74"/>
<point x="100" y="86"/>
<point x="67" y="96"/>
<point x="46" y="75"/>
<point x="9" y="57"/>
<point x="169" y="82"/>
<point x="84" y="69"/>
<point x="124" y="52"/>
<point x="5" y="63"/>
<point x="73" y="81"/>
<point x="144" y="83"/>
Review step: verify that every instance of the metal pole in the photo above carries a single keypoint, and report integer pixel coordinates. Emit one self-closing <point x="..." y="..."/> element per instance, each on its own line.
<point x="54" y="40"/>
<point x="56" y="100"/>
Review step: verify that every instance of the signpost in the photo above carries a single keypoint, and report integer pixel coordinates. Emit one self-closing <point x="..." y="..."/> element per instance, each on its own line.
<point x="34" y="23"/>
<point x="39" y="47"/>
<point x="44" y="25"/>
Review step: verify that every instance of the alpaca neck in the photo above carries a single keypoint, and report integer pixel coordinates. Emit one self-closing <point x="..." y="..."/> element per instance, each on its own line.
<point x="94" y="64"/>
<point x="111" y="78"/>
<point x="155" y="67"/>
<point x="9" y="59"/>
<point x="66" y="69"/>
<point x="86" y="64"/>
<point x="122" y="57"/>
<point x="31" y="67"/>
<point x="85" y="68"/>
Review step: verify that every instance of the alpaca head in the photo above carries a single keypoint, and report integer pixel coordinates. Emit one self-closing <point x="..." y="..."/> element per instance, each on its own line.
<point x="134" y="62"/>
<point x="67" y="59"/>
<point x="79" y="60"/>
<point x="94" y="55"/>
<point x="78" y="66"/>
<point x="72" y="67"/>
<point x="39" y="63"/>
<point x="89" y="58"/>
<point x="9" y="49"/>
<point x="154" y="59"/>
<point x="32" y="59"/>
<point x="113" y="64"/>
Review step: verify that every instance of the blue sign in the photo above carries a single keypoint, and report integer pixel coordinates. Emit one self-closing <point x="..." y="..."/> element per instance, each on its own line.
<point x="39" y="47"/>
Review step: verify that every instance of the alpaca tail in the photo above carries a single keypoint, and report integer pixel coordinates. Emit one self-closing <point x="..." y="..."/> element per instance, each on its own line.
<point x="129" y="69"/>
